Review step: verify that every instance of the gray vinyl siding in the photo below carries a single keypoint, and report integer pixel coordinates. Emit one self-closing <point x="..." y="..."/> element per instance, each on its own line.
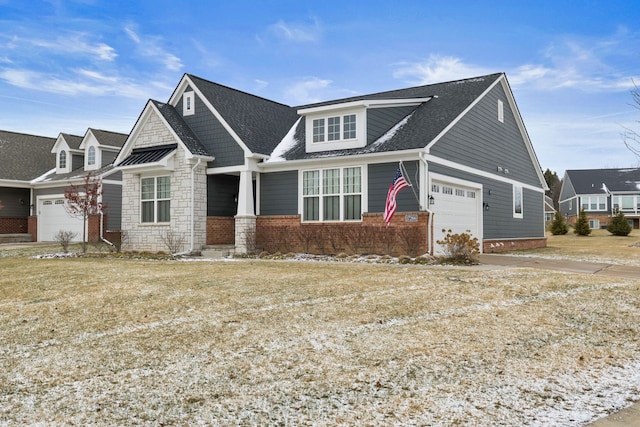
<point x="279" y="193"/>
<point x="568" y="200"/>
<point x="213" y="135"/>
<point x="77" y="161"/>
<point x="15" y="202"/>
<point x="58" y="191"/>
<point x="112" y="200"/>
<point x="380" y="120"/>
<point x="480" y="141"/>
<point x="498" y="221"/>
<point x="222" y="191"/>
<point x="108" y="157"/>
<point x="380" y="177"/>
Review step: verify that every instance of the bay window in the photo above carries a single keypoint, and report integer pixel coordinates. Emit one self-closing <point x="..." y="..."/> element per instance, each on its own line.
<point x="155" y="196"/>
<point x="332" y="194"/>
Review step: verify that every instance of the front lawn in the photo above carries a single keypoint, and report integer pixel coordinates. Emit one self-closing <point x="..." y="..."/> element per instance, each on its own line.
<point x="250" y="342"/>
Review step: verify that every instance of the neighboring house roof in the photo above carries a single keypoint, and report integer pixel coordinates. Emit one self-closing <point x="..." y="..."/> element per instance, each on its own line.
<point x="145" y="155"/>
<point x="111" y="139"/>
<point x="548" y="204"/>
<point x="182" y="130"/>
<point x="258" y="122"/>
<point x="23" y="157"/>
<point x="74" y="175"/>
<point x="73" y="141"/>
<point x="447" y="101"/>
<point x="604" y="181"/>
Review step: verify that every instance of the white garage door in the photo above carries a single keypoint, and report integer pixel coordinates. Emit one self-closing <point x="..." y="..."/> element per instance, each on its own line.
<point x="53" y="217"/>
<point x="455" y="208"/>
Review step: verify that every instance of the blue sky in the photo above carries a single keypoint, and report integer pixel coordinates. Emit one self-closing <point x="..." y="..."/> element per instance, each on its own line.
<point x="69" y="65"/>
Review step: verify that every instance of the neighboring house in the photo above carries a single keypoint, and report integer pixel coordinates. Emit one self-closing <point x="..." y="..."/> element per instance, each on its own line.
<point x="216" y="165"/>
<point x="76" y="156"/>
<point x="601" y="193"/>
<point x="549" y="210"/>
<point x="22" y="158"/>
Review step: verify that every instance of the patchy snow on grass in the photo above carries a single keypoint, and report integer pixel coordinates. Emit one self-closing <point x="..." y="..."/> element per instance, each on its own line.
<point x="254" y="342"/>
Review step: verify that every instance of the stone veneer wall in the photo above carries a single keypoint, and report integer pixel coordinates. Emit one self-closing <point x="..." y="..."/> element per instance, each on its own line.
<point x="149" y="237"/>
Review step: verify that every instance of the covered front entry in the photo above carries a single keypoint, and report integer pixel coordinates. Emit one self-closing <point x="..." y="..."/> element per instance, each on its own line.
<point x="53" y="217"/>
<point x="456" y="207"/>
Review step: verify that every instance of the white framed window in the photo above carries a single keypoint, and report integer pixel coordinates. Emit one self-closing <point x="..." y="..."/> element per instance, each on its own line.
<point x="518" y="205"/>
<point x="91" y="155"/>
<point x="435" y="188"/>
<point x="500" y="111"/>
<point x="62" y="160"/>
<point x="626" y="203"/>
<point x="332" y="194"/>
<point x="188" y="104"/>
<point x="593" y="203"/>
<point x="155" y="199"/>
<point x="460" y="192"/>
<point x="447" y="190"/>
<point x="336" y="128"/>
<point x="594" y="224"/>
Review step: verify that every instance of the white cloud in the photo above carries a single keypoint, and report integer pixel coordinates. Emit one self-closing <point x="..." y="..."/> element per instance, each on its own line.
<point x="306" y="91"/>
<point x="151" y="47"/>
<point x="297" y="32"/>
<point x="438" y="69"/>
<point x="73" y="43"/>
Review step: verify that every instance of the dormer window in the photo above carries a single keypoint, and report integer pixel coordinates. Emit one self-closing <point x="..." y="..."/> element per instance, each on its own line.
<point x="91" y="156"/>
<point x="62" y="160"/>
<point x="188" y="104"/>
<point x="335" y="128"/>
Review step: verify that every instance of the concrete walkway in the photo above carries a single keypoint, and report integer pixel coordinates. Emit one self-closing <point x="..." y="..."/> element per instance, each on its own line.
<point x="628" y="417"/>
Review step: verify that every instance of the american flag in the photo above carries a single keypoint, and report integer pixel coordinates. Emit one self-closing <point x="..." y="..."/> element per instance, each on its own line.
<point x="398" y="183"/>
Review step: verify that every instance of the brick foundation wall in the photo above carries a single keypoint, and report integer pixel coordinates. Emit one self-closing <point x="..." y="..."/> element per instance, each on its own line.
<point x="503" y="245"/>
<point x="32" y="226"/>
<point x="407" y="235"/>
<point x="603" y="218"/>
<point x="221" y="230"/>
<point x="13" y="225"/>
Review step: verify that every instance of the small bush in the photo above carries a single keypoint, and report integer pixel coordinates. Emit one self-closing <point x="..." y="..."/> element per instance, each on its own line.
<point x="559" y="226"/>
<point x="64" y="237"/>
<point x="582" y="224"/>
<point x="460" y="248"/>
<point x="618" y="226"/>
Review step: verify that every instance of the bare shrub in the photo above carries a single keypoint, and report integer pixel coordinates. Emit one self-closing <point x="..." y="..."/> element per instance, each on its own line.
<point x="249" y="239"/>
<point x="307" y="235"/>
<point x="411" y="240"/>
<point x="387" y="238"/>
<point x="64" y="237"/>
<point x="270" y="238"/>
<point x="354" y="237"/>
<point x="460" y="248"/>
<point x="370" y="235"/>
<point x="173" y="241"/>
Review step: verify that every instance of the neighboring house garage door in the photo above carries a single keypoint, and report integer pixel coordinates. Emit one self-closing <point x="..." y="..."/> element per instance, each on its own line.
<point x="455" y="208"/>
<point x="53" y="217"/>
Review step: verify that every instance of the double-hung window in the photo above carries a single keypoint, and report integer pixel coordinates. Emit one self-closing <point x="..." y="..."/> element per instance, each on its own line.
<point x="155" y="199"/>
<point x="332" y="194"/>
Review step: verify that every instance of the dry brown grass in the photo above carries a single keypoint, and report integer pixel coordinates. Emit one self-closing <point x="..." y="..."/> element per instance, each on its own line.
<point x="126" y="342"/>
<point x="600" y="246"/>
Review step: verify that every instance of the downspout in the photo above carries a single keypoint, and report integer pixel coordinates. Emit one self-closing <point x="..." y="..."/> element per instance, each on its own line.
<point x="430" y="223"/>
<point x="102" y="230"/>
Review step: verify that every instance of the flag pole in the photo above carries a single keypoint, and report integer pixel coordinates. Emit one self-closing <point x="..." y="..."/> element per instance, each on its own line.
<point x="406" y="177"/>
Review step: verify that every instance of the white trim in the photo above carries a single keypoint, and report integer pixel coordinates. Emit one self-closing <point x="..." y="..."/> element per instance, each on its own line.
<point x="15" y="183"/>
<point x="188" y="104"/>
<point x="500" y="111"/>
<point x="517" y="215"/>
<point x="437" y="160"/>
<point x="373" y="103"/>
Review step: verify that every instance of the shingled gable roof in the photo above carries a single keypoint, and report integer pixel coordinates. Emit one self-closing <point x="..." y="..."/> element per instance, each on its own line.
<point x="108" y="138"/>
<point x="73" y="141"/>
<point x="258" y="122"/>
<point x="603" y="181"/>
<point x="447" y="101"/>
<point x="24" y="157"/>
<point x="177" y="123"/>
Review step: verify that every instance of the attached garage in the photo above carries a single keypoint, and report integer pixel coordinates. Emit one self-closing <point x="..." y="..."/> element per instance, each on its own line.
<point x="53" y="217"/>
<point x="456" y="207"/>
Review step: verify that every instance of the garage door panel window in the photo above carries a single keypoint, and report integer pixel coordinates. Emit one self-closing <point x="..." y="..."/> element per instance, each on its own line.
<point x="155" y="199"/>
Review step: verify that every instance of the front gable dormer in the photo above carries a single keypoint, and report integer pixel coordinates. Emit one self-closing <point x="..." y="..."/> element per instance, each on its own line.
<point x="344" y="126"/>
<point x="92" y="152"/>
<point x="67" y="153"/>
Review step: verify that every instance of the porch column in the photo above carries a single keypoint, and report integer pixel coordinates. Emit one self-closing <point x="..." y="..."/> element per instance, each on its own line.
<point x="245" y="238"/>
